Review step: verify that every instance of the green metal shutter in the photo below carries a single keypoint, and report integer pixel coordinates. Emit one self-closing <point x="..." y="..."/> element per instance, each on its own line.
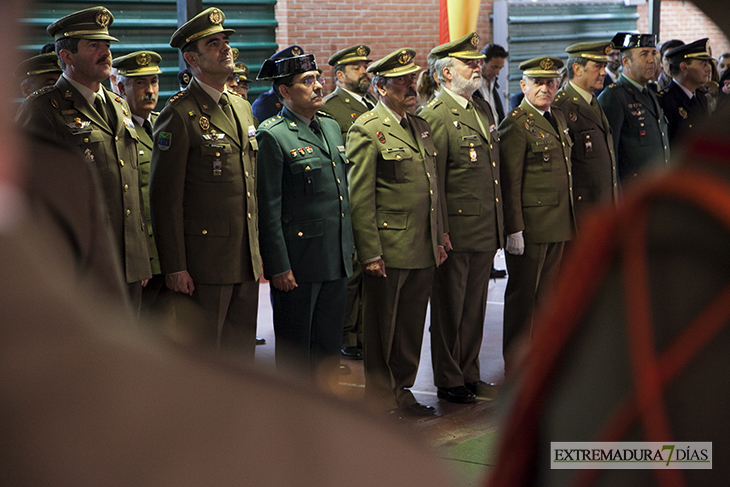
<point x="529" y="29"/>
<point x="146" y="24"/>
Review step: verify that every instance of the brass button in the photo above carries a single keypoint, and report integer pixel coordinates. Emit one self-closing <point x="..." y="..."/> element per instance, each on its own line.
<point x="471" y="144"/>
<point x="204" y="232"/>
<point x="343" y="215"/>
<point x="129" y="212"/>
<point x="86" y="140"/>
<point x="121" y="162"/>
<point x="428" y="174"/>
<point x="246" y="173"/>
<point x="580" y="198"/>
<point x="217" y="154"/>
<point x="341" y="198"/>
<point x="248" y="194"/>
<point x="398" y="157"/>
<point x="141" y="153"/>
<point x="338" y="181"/>
<point x="496" y="182"/>
<point x="385" y="224"/>
<point x="459" y="211"/>
<point x="126" y="187"/>
<point x="491" y="147"/>
<point x="249" y="215"/>
<point x="496" y="199"/>
<point x="494" y="164"/>
<point x="300" y="234"/>
<point x="333" y="164"/>
<point x="116" y="137"/>
<point x="307" y="168"/>
<point x="430" y="191"/>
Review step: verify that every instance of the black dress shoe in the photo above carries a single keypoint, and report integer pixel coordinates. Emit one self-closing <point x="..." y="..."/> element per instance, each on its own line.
<point x="481" y="388"/>
<point x="418" y="409"/>
<point x="497" y="274"/>
<point x="353" y="353"/>
<point x="260" y="341"/>
<point x="458" y="394"/>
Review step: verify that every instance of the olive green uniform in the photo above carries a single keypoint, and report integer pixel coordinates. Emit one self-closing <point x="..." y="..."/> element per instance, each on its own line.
<point x="345" y="109"/>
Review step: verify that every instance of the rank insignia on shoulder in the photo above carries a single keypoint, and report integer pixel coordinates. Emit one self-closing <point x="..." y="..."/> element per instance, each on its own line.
<point x="164" y="140"/>
<point x="204" y="123"/>
<point x="293" y="152"/>
<point x="251" y="130"/>
<point x="573" y="116"/>
<point x="381" y="137"/>
<point x="67" y="94"/>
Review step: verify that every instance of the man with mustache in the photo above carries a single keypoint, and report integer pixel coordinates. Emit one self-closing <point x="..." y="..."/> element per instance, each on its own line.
<point x="640" y="130"/>
<point x="304" y="224"/>
<point x="203" y="190"/>
<point x="351" y="99"/>
<point x="538" y="198"/>
<point x="398" y="227"/>
<point x="138" y="83"/>
<point x="593" y="160"/>
<point x="81" y="112"/>
<point x="465" y="136"/>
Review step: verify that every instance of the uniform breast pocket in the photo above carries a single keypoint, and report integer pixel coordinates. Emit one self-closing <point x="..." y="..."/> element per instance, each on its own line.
<point x="91" y="144"/>
<point x="472" y="154"/>
<point x="307" y="175"/>
<point x="391" y="167"/>
<point x="217" y="163"/>
<point x="541" y="152"/>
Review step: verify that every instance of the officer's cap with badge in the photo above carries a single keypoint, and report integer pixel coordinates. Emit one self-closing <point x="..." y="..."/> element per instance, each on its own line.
<point x="699" y="49"/>
<point x="239" y="69"/>
<point x="206" y="23"/>
<point x="593" y="51"/>
<point x="462" y="48"/>
<point x="350" y="55"/>
<point x="277" y="69"/>
<point x="139" y="63"/>
<point x="542" y="67"/>
<point x="397" y="63"/>
<point x="91" y="23"/>
<point x="40" y="64"/>
<point x="627" y="40"/>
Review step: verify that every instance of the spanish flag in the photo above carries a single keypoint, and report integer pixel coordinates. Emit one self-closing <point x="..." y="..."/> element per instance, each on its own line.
<point x="457" y="19"/>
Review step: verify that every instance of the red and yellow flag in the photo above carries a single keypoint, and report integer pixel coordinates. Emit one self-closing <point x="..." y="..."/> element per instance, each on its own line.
<point x="457" y="18"/>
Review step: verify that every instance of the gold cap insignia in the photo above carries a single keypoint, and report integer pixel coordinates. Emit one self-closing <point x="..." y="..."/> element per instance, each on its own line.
<point x="546" y="64"/>
<point x="361" y="51"/>
<point x="143" y="59"/>
<point x="608" y="49"/>
<point x="235" y="53"/>
<point x="475" y="40"/>
<point x="404" y="57"/>
<point x="215" y="17"/>
<point x="102" y="18"/>
<point x="296" y="51"/>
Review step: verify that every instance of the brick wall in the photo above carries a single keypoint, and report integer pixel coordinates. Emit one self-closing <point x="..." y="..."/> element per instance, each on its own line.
<point x="685" y="21"/>
<point x="325" y="26"/>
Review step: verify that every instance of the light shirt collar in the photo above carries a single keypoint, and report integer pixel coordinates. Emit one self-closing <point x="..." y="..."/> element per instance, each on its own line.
<point x="588" y="97"/>
<point x="541" y="112"/>
<point x="212" y="92"/>
<point x="689" y="94"/>
<point x="140" y="121"/>
<point x="306" y="121"/>
<point x="88" y="94"/>
<point x="354" y="95"/>
<point x="635" y="83"/>
<point x="457" y="98"/>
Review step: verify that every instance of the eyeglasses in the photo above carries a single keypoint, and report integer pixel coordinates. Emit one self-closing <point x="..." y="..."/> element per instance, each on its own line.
<point x="309" y="81"/>
<point x="406" y="78"/>
<point x="241" y="88"/>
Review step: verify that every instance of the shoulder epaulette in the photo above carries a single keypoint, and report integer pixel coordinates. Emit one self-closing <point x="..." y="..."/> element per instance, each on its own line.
<point x="330" y="96"/>
<point x="324" y="114"/>
<point x="367" y="117"/>
<point x="178" y="96"/>
<point x="271" y="122"/>
<point x="155" y="114"/>
<point x="613" y="85"/>
<point x="45" y="89"/>
<point x="517" y="112"/>
<point x="560" y="96"/>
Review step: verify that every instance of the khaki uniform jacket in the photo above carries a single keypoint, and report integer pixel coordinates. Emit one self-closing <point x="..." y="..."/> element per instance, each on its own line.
<point x="145" y="157"/>
<point x="303" y="200"/>
<point x="344" y="109"/>
<point x="203" y="189"/>
<point x="394" y="194"/>
<point x="62" y="112"/>
<point x="536" y="176"/>
<point x="468" y="170"/>
<point x="593" y="160"/>
<point x="640" y="130"/>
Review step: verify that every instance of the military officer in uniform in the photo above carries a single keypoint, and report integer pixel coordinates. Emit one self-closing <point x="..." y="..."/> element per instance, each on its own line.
<point x="351" y="99"/>
<point x="638" y="124"/>
<point x="538" y="200"/>
<point x="352" y="96"/>
<point x="238" y="81"/>
<point x="304" y="223"/>
<point x="203" y="189"/>
<point x="683" y="105"/>
<point x="396" y="219"/>
<point x="38" y="72"/>
<point x="80" y="111"/>
<point x="465" y="135"/>
<point x="138" y="83"/>
<point x="593" y="160"/>
<point x="267" y="104"/>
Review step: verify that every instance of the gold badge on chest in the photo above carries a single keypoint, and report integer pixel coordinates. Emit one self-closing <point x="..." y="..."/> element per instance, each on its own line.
<point x="204" y="123"/>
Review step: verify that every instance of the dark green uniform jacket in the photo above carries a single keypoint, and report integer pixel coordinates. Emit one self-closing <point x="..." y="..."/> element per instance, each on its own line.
<point x="303" y="199"/>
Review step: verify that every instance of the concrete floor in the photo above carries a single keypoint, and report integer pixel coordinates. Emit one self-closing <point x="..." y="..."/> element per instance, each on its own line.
<point x="462" y="435"/>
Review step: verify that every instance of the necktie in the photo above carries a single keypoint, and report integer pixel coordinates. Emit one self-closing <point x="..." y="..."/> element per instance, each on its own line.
<point x="552" y="121"/>
<point x="101" y="109"/>
<point x="314" y="125"/>
<point x="147" y="126"/>
<point x="470" y="107"/>
<point x="226" y="106"/>
<point x="595" y="107"/>
<point x="407" y="126"/>
<point x="367" y="103"/>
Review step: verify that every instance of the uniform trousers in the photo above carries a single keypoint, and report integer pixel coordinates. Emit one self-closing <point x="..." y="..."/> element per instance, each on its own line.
<point x="529" y="280"/>
<point x="352" y="332"/>
<point x="458" y="309"/>
<point x="394" y="317"/>
<point x="308" y="324"/>
<point x="230" y="312"/>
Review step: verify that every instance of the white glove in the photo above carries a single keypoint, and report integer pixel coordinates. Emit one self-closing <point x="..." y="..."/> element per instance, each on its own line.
<point x="515" y="243"/>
